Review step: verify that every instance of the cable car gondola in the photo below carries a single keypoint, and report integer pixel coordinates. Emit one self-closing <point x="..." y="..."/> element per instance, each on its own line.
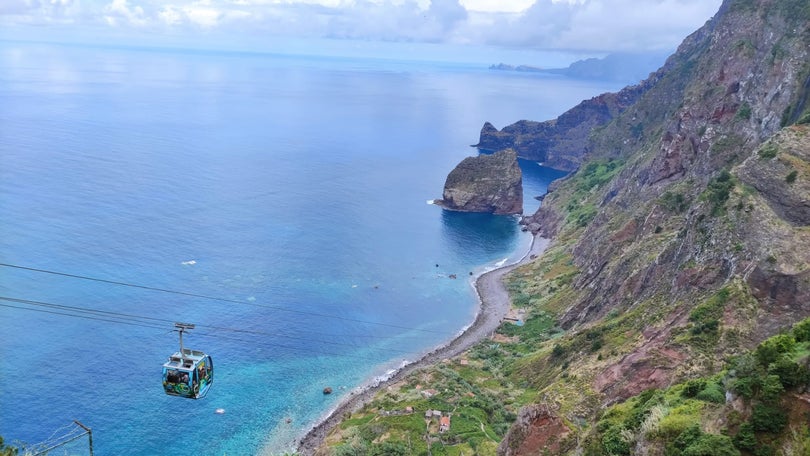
<point x="188" y="373"/>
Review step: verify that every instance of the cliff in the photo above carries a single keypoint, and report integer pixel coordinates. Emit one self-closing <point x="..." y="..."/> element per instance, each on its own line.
<point x="620" y="67"/>
<point x="685" y="232"/>
<point x="668" y="314"/>
<point x="626" y="67"/>
<point x="485" y="183"/>
<point x="563" y="142"/>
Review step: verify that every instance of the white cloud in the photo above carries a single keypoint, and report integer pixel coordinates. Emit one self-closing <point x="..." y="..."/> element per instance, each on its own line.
<point x="503" y="6"/>
<point x="595" y="25"/>
<point x="37" y="12"/>
<point x="119" y="11"/>
<point x="202" y="14"/>
<point x="170" y="16"/>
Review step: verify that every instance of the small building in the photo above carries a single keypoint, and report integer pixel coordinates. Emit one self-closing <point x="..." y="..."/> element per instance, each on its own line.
<point x="409" y="409"/>
<point x="444" y="424"/>
<point x="437" y="414"/>
<point x="429" y="414"/>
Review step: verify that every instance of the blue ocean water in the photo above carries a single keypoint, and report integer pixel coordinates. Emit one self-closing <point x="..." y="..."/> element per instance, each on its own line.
<point x="278" y="202"/>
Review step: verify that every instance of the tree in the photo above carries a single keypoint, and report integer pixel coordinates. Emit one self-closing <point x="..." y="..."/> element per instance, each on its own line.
<point x="770" y="350"/>
<point x="801" y="330"/>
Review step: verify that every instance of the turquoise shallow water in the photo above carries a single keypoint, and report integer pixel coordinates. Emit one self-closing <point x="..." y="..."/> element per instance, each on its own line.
<point x="287" y="194"/>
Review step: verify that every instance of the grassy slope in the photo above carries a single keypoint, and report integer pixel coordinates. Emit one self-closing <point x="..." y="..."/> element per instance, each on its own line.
<point x="651" y="289"/>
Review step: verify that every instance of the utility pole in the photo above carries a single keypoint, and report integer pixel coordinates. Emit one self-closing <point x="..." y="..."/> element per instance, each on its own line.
<point x="89" y="434"/>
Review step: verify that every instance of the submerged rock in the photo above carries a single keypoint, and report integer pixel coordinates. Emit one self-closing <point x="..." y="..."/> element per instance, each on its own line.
<point x="486" y="183"/>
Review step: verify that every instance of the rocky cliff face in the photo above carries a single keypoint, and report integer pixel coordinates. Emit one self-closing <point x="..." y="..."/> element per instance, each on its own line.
<point x="697" y="189"/>
<point x="680" y="243"/>
<point x="486" y="183"/>
<point x="563" y="142"/>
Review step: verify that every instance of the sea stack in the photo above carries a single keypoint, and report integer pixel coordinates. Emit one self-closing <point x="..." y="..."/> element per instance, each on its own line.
<point x="486" y="183"/>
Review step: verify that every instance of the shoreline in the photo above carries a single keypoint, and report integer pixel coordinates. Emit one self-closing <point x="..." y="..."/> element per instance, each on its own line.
<point x="493" y="306"/>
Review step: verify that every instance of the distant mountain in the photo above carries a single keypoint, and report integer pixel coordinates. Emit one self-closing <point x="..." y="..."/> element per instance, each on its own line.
<point x="624" y="67"/>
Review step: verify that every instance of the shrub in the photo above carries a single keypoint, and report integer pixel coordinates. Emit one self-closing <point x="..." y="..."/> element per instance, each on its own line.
<point x="768" y="418"/>
<point x="350" y="450"/>
<point x="689" y="436"/>
<point x="745" y="438"/>
<point x="642" y="407"/>
<point x="790" y="374"/>
<point x="768" y="151"/>
<point x="770" y="350"/>
<point x="718" y="191"/>
<point x="744" y="112"/>
<point x="692" y="387"/>
<point x="390" y="449"/>
<point x="613" y="442"/>
<point x="801" y="330"/>
<point x="679" y="419"/>
<point x="770" y="389"/>
<point x="694" y="442"/>
<point x="791" y="178"/>
<point x="674" y="202"/>
<point x="597" y="173"/>
<point x="711" y="445"/>
<point x="712" y="393"/>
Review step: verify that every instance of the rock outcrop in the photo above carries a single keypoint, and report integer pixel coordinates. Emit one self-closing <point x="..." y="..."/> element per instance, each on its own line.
<point x="561" y="143"/>
<point x="537" y="427"/>
<point x="486" y="183"/>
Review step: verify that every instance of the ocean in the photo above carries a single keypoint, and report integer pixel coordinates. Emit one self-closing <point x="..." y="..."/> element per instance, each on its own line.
<point x="278" y="202"/>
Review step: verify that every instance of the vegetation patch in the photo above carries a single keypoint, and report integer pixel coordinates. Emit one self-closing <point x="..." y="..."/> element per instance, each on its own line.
<point x="729" y="144"/>
<point x="718" y="191"/>
<point x="675" y="420"/>
<point x="590" y="177"/>
<point x="705" y="320"/>
<point x="674" y="202"/>
<point x="768" y="151"/>
<point x="744" y="112"/>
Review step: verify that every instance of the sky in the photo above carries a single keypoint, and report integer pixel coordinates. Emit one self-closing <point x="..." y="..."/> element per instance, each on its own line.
<point x="577" y="26"/>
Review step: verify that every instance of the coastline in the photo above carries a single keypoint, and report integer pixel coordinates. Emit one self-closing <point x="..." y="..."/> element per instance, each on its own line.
<point x="493" y="307"/>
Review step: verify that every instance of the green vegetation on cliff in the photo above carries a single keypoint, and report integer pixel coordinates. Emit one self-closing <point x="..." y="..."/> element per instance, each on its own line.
<point x="745" y="409"/>
<point x="659" y="319"/>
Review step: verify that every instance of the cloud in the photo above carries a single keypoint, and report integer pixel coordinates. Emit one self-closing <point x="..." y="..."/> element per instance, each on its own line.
<point x="630" y="25"/>
<point x="203" y="14"/>
<point x="583" y="25"/>
<point x="37" y="12"/>
<point x="538" y="26"/>
<point x="119" y="11"/>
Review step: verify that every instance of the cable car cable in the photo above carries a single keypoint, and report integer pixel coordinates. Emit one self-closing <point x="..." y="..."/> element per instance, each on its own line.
<point x="212" y="298"/>
<point x="80" y="316"/>
<point x="117" y="317"/>
<point x="217" y="336"/>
